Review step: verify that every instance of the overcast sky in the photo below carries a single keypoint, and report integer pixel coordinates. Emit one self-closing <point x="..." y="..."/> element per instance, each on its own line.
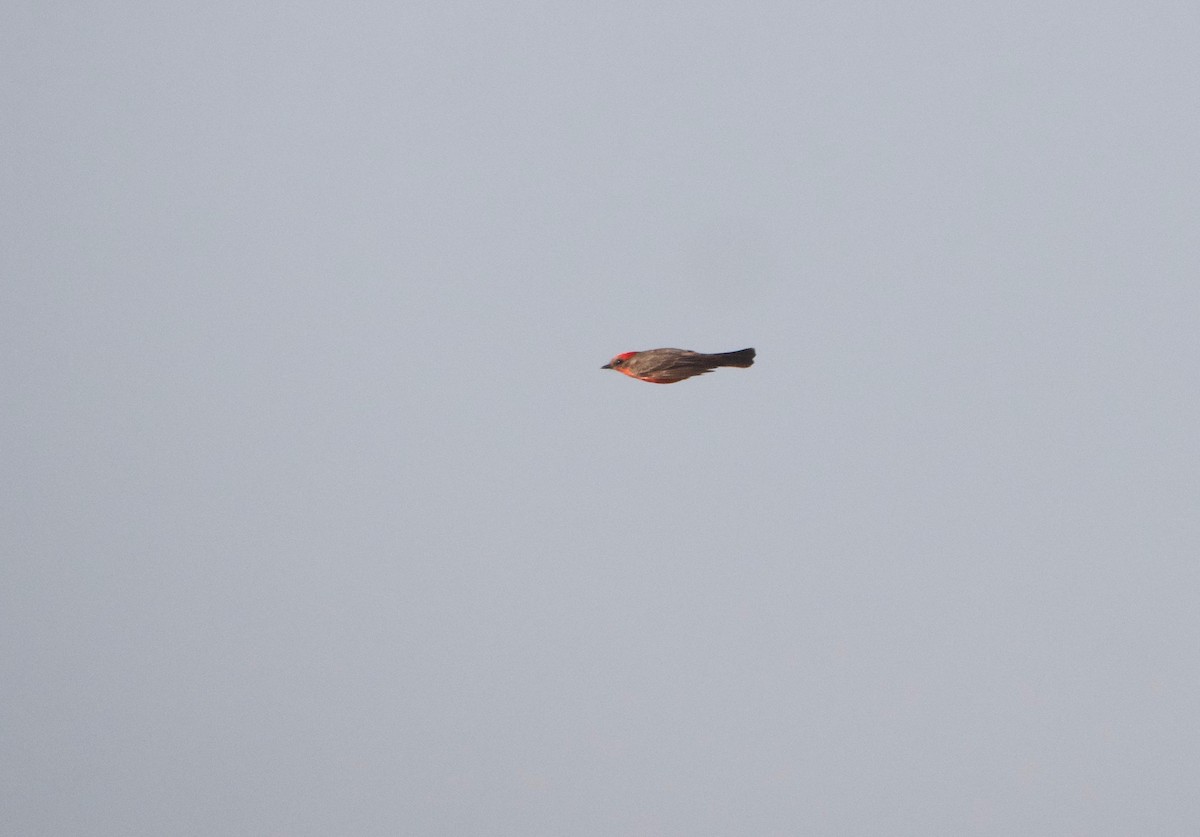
<point x="321" y="517"/>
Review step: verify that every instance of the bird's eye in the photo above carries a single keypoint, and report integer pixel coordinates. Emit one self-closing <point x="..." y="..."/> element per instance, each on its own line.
<point x="618" y="362"/>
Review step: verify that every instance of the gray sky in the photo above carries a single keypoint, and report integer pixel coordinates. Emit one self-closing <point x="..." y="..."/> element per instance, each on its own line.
<point x="322" y="518"/>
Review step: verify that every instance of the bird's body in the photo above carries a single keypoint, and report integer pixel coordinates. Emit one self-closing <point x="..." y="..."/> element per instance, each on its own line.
<point x="667" y="366"/>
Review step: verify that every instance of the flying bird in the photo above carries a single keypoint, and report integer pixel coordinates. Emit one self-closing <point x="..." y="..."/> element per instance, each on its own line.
<point x="666" y="366"/>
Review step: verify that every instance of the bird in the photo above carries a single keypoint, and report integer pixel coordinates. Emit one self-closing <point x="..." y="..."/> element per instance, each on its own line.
<point x="668" y="366"/>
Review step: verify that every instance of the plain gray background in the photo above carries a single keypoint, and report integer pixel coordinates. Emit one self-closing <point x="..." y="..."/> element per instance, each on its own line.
<point x="321" y="517"/>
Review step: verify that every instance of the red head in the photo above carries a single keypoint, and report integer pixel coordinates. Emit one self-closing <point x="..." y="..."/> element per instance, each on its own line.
<point x="621" y="363"/>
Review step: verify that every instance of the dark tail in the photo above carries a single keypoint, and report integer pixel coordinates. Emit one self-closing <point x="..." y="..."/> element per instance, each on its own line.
<point x="741" y="358"/>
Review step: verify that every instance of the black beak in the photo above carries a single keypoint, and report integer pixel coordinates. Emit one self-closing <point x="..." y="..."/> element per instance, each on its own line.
<point x="606" y="366"/>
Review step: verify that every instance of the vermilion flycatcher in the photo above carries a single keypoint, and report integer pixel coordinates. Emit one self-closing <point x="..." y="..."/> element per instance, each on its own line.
<point x="666" y="366"/>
